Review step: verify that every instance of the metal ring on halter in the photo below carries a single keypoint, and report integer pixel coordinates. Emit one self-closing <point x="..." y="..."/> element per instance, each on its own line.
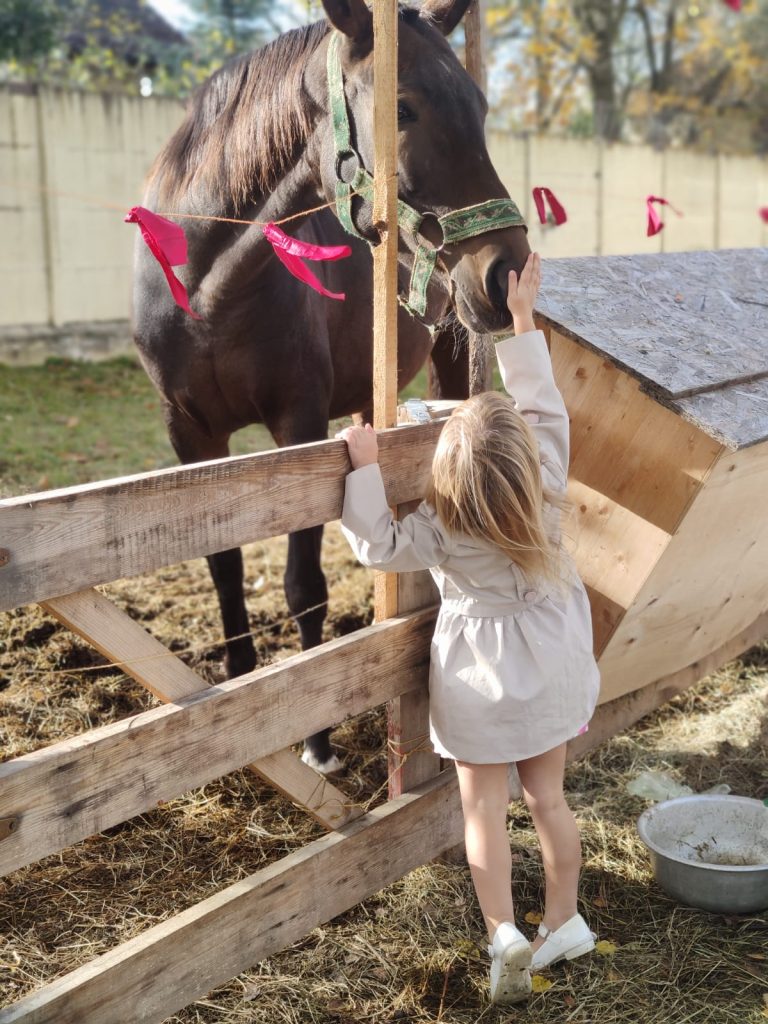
<point x="345" y="155"/>
<point x="423" y="237"/>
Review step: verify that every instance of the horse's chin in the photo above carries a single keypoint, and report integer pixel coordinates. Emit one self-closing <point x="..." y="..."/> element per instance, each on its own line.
<point x="483" y="319"/>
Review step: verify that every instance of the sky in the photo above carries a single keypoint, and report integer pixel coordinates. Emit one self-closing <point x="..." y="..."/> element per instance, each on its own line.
<point x="174" y="11"/>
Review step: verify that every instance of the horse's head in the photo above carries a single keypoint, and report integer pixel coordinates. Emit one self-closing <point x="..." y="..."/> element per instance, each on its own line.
<point x="443" y="168"/>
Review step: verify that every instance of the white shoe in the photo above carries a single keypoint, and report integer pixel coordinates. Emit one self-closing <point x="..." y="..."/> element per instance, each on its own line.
<point x="511" y="958"/>
<point x="570" y="940"/>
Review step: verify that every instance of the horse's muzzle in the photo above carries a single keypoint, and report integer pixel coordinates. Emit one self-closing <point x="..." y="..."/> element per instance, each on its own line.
<point x="496" y="282"/>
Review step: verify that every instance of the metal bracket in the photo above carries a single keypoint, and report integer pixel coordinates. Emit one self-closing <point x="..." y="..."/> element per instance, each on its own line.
<point x="7" y="827"/>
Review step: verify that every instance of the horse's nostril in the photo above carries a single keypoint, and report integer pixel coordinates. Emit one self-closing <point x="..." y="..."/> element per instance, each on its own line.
<point x="496" y="283"/>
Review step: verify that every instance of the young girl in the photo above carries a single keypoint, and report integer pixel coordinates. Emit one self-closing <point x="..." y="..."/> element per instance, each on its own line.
<point x="512" y="673"/>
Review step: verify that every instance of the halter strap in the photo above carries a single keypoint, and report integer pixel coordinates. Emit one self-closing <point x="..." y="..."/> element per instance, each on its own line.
<point x="456" y="226"/>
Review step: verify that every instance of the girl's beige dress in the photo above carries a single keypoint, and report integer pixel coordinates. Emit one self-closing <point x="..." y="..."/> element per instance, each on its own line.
<point x="512" y="670"/>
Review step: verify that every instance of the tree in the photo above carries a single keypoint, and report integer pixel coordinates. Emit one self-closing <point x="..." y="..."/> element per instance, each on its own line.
<point x="225" y="28"/>
<point x="676" y="55"/>
<point x="27" y="29"/>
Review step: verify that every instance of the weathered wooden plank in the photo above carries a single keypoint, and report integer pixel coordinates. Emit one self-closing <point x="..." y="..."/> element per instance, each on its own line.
<point x="125" y="642"/>
<point x="78" y="537"/>
<point x="410" y="757"/>
<point x="167" y="966"/>
<point x="385" y="30"/>
<point x="81" y="786"/>
<point x="480" y="345"/>
<point x="682" y="323"/>
<point x="95" y="618"/>
<point x="709" y="584"/>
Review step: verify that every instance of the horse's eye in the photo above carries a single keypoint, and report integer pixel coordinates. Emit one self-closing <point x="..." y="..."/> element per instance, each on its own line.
<point x="404" y="112"/>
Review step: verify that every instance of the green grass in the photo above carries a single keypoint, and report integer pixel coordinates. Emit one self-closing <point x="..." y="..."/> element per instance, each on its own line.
<point x="66" y="423"/>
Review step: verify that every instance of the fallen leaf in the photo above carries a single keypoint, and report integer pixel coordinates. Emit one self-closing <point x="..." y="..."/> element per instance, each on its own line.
<point x="605" y="948"/>
<point x="539" y="984"/>
<point x="533" y="918"/>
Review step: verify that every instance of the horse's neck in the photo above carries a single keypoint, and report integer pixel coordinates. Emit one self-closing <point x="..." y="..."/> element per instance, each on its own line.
<point x="295" y="193"/>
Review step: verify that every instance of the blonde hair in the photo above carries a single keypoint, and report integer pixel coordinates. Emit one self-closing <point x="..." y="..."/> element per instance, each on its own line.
<point x="486" y="483"/>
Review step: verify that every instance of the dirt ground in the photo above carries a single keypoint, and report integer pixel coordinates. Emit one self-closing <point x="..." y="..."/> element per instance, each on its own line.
<point x="413" y="952"/>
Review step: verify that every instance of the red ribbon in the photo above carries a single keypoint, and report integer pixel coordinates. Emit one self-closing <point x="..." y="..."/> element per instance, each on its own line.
<point x="655" y="223"/>
<point x="735" y="5"/>
<point x="168" y="244"/>
<point x="539" y="195"/>
<point x="763" y="211"/>
<point x="291" y="251"/>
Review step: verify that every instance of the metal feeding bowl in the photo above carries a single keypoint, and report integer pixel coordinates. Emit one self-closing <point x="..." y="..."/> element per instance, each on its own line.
<point x="710" y="851"/>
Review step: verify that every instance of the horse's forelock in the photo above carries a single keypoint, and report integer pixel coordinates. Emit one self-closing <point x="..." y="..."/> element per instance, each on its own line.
<point x="243" y="125"/>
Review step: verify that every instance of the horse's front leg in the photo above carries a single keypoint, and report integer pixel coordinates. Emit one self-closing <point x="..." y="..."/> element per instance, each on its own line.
<point x="306" y="592"/>
<point x="193" y="444"/>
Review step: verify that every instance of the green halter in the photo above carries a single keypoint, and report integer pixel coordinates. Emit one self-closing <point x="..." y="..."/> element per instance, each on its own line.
<point x="456" y="226"/>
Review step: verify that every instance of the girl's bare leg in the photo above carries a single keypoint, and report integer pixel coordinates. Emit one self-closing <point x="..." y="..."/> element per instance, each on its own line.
<point x="484" y="799"/>
<point x="542" y="781"/>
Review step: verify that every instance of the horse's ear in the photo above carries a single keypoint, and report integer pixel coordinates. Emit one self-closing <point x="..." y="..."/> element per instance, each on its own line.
<point x="445" y="15"/>
<point x="351" y="17"/>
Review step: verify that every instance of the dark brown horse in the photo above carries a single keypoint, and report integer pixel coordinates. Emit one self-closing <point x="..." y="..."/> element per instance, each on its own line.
<point x="258" y="143"/>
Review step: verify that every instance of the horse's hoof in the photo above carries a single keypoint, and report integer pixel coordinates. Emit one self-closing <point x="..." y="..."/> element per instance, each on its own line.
<point x="333" y="764"/>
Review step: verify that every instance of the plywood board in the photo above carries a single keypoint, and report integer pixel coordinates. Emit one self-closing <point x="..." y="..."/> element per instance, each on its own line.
<point x="682" y="323"/>
<point x="710" y="584"/>
<point x="624" y="445"/>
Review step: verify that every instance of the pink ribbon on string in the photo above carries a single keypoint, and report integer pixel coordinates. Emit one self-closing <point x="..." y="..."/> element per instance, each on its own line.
<point x="655" y="223"/>
<point x="735" y="5"/>
<point x="291" y="252"/>
<point x="763" y="211"/>
<point x="168" y="244"/>
<point x="539" y="195"/>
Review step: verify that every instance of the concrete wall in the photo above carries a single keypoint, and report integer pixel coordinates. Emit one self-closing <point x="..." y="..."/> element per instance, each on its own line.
<point x="71" y="164"/>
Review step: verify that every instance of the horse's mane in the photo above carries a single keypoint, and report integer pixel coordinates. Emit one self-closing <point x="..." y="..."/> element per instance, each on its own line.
<point x="243" y="125"/>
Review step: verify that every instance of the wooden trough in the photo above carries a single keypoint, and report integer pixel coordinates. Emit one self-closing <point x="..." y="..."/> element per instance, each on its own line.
<point x="663" y="362"/>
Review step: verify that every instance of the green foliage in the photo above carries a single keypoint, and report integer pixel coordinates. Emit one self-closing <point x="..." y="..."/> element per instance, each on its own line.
<point x="27" y="29"/>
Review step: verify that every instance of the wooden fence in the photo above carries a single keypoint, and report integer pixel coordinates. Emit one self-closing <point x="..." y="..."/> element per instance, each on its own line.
<point x="56" y="547"/>
<point x="66" y="543"/>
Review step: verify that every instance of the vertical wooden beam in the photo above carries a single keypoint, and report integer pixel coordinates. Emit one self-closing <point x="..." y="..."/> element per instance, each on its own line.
<point x="474" y="34"/>
<point x="408" y="717"/>
<point x="474" y="59"/>
<point x="385" y="254"/>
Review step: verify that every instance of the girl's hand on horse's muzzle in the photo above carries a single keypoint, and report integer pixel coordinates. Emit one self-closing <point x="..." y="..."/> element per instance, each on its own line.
<point x="362" y="445"/>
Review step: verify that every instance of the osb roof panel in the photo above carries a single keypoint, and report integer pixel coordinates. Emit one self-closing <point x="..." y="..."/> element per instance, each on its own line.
<point x="691" y="327"/>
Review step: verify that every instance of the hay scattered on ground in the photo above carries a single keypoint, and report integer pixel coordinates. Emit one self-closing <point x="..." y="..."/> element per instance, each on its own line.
<point x="414" y="952"/>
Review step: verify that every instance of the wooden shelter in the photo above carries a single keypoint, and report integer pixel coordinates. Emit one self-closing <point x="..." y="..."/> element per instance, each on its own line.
<point x="663" y="363"/>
